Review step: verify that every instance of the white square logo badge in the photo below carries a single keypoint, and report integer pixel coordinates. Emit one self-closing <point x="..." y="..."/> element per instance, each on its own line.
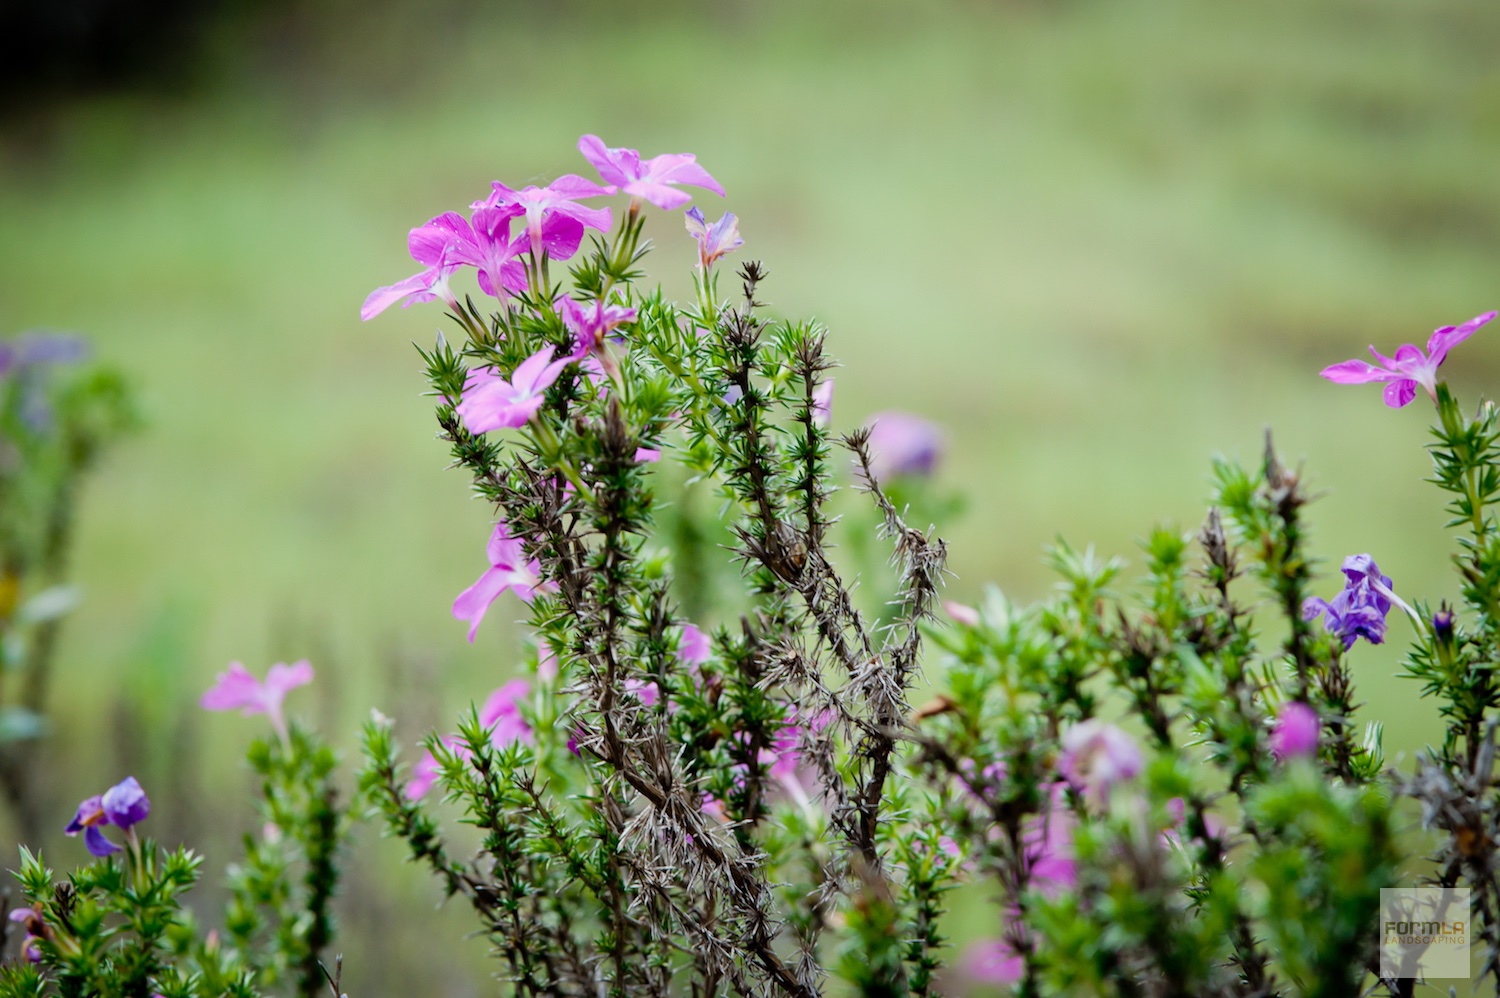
<point x="1425" y="932"/>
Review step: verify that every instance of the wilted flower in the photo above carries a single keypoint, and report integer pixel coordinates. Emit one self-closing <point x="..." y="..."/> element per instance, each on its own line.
<point x="554" y="219"/>
<point x="1360" y="609"/>
<point x="1096" y="756"/>
<point x="508" y="569"/>
<point x="1410" y="367"/>
<point x="713" y="240"/>
<point x="123" y="805"/>
<point x="651" y="180"/>
<point x="903" y="444"/>
<point x="490" y="402"/>
<point x="237" y="689"/>
<point x="1296" y="732"/>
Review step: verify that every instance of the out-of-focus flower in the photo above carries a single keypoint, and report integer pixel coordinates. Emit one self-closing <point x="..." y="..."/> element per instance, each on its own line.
<point x="651" y="180"/>
<point x="1296" y="732"/>
<point x="554" y="219"/>
<point x="238" y="689"/>
<point x="490" y="402"/>
<point x="992" y="961"/>
<point x="546" y="662"/>
<point x="714" y="240"/>
<point x="1410" y="367"/>
<point x="508" y="569"/>
<point x="1360" y="609"/>
<point x="1048" y="841"/>
<point x="1096" y="756"/>
<point x="903" y="444"/>
<point x="123" y="805"/>
<point x="822" y="403"/>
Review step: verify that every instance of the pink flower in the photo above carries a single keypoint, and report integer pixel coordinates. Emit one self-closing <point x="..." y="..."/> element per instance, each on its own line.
<point x="653" y="180"/>
<point x="554" y="220"/>
<point x="992" y="961"/>
<point x="490" y="402"/>
<point x="903" y="444"/>
<point x="1296" y="732"/>
<point x="508" y="569"/>
<point x="1410" y="367"/>
<point x="546" y="662"/>
<point x="1096" y="756"/>
<point x="822" y="403"/>
<point x="237" y="689"/>
<point x="713" y="240"/>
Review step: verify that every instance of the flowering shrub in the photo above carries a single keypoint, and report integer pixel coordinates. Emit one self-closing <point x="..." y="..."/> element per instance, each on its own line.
<point x="1160" y="783"/>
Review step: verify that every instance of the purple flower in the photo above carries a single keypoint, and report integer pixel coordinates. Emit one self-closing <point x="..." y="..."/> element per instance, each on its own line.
<point x="1360" y="609"/>
<point x="713" y="240"/>
<point x="1296" y="732"/>
<point x="123" y="805"/>
<point x="1096" y="756"/>
<point x="508" y="569"/>
<point x="822" y="403"/>
<point x="554" y="220"/>
<point x="653" y="180"/>
<point x="1410" y="367"/>
<point x="490" y="402"/>
<point x="237" y="689"/>
<point x="903" y="444"/>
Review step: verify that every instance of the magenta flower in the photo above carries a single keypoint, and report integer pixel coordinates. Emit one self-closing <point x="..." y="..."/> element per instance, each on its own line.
<point x="713" y="240"/>
<point x="554" y="219"/>
<point x="822" y="404"/>
<point x="237" y="689"/>
<point x="508" y="569"/>
<point x="1296" y="732"/>
<point x="653" y="180"/>
<point x="123" y="805"/>
<point x="903" y="444"/>
<point x="1410" y="367"/>
<point x="992" y="961"/>
<point x="1096" y="756"/>
<point x="1360" y="609"/>
<point x="490" y="402"/>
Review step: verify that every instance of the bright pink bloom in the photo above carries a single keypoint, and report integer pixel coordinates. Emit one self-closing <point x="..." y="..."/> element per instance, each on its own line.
<point x="822" y="403"/>
<point x="1296" y="732"/>
<point x="490" y="402"/>
<point x="237" y="689"/>
<point x="554" y="220"/>
<point x="713" y="240"/>
<point x="992" y="961"/>
<point x="1410" y="367"/>
<point x="508" y="569"/>
<point x="1048" y="839"/>
<point x="425" y="773"/>
<point x="654" y="179"/>
<point x="903" y="444"/>
<point x="1096" y="756"/>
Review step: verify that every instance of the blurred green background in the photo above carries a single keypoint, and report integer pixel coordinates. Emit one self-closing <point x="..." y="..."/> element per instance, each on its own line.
<point x="1098" y="240"/>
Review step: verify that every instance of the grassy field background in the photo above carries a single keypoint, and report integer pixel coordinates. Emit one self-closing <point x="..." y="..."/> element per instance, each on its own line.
<point x="1098" y="240"/>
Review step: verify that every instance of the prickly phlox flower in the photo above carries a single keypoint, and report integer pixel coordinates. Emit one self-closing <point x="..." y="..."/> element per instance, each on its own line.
<point x="554" y="219"/>
<point x="1360" y="609"/>
<point x="714" y="240"/>
<point x="508" y="569"/>
<point x="123" y="805"/>
<point x="1410" y="367"/>
<point x="238" y="689"/>
<point x="651" y="180"/>
<point x="1096" y="756"/>
<point x="500" y="715"/>
<point x="35" y="928"/>
<point x="1296" y="732"/>
<point x="903" y="444"/>
<point x="490" y="402"/>
<point x="822" y="404"/>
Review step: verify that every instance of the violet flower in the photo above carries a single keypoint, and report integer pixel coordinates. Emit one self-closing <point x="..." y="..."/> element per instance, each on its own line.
<point x="508" y="569"/>
<point x="1410" y="367"/>
<point x="1360" y="609"/>
<point x="1295" y="734"/>
<point x="654" y="179"/>
<point x="238" y="689"/>
<point x="1096" y="756"/>
<point x="554" y="220"/>
<point x="123" y="805"/>
<point x="713" y="240"/>
<point x="490" y="402"/>
<point x="903" y="444"/>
